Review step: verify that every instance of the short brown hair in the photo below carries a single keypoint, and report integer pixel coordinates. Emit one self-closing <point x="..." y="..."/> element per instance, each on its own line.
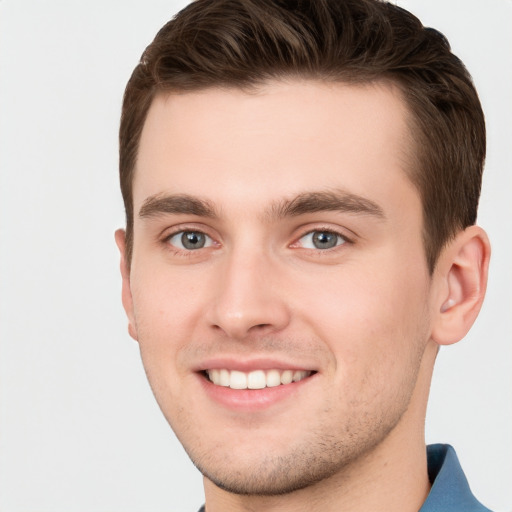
<point x="243" y="43"/>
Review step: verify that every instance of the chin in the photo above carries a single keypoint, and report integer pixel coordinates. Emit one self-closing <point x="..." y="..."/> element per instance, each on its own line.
<point x="273" y="477"/>
<point x="272" y="474"/>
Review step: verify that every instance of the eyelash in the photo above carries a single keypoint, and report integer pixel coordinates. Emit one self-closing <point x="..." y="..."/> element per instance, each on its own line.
<point x="186" y="252"/>
<point x="326" y="230"/>
<point x="212" y="243"/>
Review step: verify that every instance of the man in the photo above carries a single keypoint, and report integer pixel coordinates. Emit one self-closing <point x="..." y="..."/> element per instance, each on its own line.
<point x="301" y="181"/>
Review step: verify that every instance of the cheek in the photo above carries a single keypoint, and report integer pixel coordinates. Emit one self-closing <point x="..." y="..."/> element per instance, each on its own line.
<point x="167" y="318"/>
<point x="372" y="322"/>
<point x="377" y="334"/>
<point x="166" y="300"/>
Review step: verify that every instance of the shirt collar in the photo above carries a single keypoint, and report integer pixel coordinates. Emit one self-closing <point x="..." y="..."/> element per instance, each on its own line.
<point x="450" y="491"/>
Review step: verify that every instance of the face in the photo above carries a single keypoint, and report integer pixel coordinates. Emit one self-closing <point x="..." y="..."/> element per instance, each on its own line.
<point x="278" y="287"/>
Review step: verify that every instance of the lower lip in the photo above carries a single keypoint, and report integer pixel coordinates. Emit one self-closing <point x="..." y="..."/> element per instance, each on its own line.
<point x="252" y="399"/>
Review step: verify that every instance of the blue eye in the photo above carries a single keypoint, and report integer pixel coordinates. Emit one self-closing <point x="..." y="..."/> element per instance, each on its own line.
<point x="321" y="240"/>
<point x="190" y="240"/>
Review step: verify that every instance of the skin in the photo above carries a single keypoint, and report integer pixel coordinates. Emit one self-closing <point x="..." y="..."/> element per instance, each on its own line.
<point x="365" y="316"/>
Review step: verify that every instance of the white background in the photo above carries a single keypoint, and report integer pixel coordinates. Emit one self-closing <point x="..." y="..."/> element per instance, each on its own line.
<point x="79" y="428"/>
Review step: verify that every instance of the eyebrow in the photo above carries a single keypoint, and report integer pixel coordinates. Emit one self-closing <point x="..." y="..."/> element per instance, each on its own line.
<point x="176" y="204"/>
<point x="302" y="204"/>
<point x="339" y="201"/>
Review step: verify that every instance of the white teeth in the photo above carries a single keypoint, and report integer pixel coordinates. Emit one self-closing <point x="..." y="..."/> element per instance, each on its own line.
<point x="286" y="377"/>
<point x="238" y="380"/>
<point x="273" y="378"/>
<point x="224" y="378"/>
<point x="299" y="375"/>
<point x="257" y="379"/>
<point x="214" y="376"/>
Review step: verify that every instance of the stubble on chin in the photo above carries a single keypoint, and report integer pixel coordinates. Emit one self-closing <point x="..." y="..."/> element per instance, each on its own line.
<point x="318" y="457"/>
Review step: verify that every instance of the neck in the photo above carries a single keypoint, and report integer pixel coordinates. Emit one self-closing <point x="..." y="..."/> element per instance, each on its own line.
<point x="392" y="476"/>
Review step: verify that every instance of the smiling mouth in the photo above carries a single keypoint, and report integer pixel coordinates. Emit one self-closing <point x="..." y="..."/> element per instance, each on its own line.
<point x="256" y="379"/>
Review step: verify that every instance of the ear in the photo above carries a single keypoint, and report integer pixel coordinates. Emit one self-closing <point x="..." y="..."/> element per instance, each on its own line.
<point x="120" y="236"/>
<point x="461" y="275"/>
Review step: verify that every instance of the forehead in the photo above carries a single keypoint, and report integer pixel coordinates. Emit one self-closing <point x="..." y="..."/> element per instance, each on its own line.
<point x="280" y="139"/>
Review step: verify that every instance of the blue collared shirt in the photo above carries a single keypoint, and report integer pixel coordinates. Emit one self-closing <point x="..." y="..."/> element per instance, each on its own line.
<point x="450" y="491"/>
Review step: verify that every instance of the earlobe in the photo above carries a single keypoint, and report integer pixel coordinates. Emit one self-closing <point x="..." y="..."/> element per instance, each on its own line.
<point x="120" y="236"/>
<point x="462" y="274"/>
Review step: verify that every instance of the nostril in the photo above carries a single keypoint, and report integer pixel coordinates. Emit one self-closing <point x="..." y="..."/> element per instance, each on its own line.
<point x="261" y="328"/>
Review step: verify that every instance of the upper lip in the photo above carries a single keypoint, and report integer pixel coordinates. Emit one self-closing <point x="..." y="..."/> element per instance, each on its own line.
<point x="248" y="365"/>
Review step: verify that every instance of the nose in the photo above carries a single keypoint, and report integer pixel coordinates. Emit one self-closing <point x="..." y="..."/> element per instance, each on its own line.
<point x="248" y="299"/>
